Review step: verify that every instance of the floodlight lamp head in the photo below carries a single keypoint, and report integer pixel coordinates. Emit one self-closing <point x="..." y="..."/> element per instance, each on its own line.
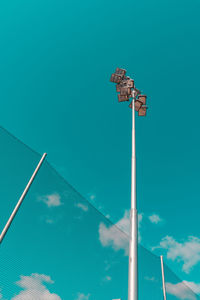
<point x="142" y="111"/>
<point x="125" y="91"/>
<point x="122" y="98"/>
<point x="118" y="87"/>
<point x="120" y="71"/>
<point x="116" y="78"/>
<point x="138" y="105"/>
<point x="142" y="99"/>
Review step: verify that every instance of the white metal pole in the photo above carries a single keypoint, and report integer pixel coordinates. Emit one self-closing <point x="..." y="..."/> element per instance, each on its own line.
<point x="163" y="277"/>
<point x="133" y="245"/>
<point x="21" y="199"/>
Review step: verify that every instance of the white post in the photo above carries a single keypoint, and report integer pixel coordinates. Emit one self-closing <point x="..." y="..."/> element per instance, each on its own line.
<point x="163" y="277"/>
<point x="133" y="245"/>
<point x="21" y="199"/>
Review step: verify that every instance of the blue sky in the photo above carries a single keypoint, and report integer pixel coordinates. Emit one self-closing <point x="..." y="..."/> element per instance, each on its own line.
<point x="56" y="60"/>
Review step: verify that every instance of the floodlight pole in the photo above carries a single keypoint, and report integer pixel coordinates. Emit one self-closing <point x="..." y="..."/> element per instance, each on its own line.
<point x="21" y="199"/>
<point x="125" y="86"/>
<point x="163" y="277"/>
<point x="133" y="245"/>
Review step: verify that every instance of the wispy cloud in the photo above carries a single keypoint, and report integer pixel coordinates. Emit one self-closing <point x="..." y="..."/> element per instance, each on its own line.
<point x="183" y="290"/>
<point x="115" y="238"/>
<point x="187" y="252"/>
<point x="155" y="219"/>
<point x="81" y="296"/>
<point x="51" y="200"/>
<point x="112" y="236"/>
<point x="82" y="206"/>
<point x="34" y="288"/>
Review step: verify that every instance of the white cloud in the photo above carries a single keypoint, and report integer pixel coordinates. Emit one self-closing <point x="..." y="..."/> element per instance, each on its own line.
<point x="34" y="288"/>
<point x="155" y="219"/>
<point x="82" y="206"/>
<point x="51" y="200"/>
<point x="183" y="290"/>
<point x="187" y="252"/>
<point x="112" y="236"/>
<point x="82" y="296"/>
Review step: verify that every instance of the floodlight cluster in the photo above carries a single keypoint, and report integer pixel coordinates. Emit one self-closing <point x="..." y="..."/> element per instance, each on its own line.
<point x="126" y="88"/>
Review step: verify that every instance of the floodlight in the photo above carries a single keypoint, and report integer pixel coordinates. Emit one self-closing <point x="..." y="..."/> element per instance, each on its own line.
<point x="120" y="71"/>
<point x="125" y="91"/>
<point x="118" y="88"/>
<point x="142" y="99"/>
<point x="126" y="81"/>
<point x="138" y="105"/>
<point x="116" y="78"/>
<point x="122" y="98"/>
<point x="142" y="111"/>
<point x="130" y="83"/>
<point x="126" y="88"/>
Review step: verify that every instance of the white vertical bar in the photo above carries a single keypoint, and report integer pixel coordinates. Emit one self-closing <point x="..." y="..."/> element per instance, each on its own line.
<point x="163" y="277"/>
<point x="21" y="199"/>
<point x="133" y="245"/>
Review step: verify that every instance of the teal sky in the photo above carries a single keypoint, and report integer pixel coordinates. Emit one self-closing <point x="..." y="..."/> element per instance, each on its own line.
<point x="56" y="61"/>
